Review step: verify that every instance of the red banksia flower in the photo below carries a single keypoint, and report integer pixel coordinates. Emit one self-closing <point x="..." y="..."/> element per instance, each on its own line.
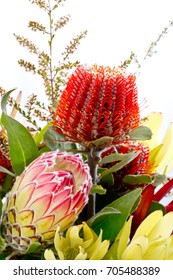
<point x="51" y="192"/>
<point x="138" y="166"/>
<point x="98" y="101"/>
<point x="5" y="163"/>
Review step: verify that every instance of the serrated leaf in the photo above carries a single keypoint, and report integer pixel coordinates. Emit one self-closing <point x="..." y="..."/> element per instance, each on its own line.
<point x="126" y="159"/>
<point x="141" y="133"/>
<point x="137" y="179"/>
<point x="97" y="189"/>
<point x="22" y="146"/>
<point x="56" y="141"/>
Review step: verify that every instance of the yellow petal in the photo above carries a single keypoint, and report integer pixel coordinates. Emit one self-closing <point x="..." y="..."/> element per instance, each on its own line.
<point x="124" y="237"/>
<point x="155" y="252"/>
<point x="154" y="122"/>
<point x="148" y="224"/>
<point x="163" y="228"/>
<point x="49" y="255"/>
<point x="73" y="236"/>
<point x="166" y="152"/>
<point x="133" y="252"/>
<point x="100" y="251"/>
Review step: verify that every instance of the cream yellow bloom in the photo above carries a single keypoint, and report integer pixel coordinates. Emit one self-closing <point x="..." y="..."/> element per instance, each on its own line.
<point x="161" y="151"/>
<point x="151" y="241"/>
<point x="73" y="247"/>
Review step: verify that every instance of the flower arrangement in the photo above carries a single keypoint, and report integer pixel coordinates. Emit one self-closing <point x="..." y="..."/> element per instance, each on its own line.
<point x="89" y="184"/>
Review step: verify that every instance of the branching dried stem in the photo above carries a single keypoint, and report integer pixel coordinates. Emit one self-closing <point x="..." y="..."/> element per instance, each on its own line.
<point x="54" y="76"/>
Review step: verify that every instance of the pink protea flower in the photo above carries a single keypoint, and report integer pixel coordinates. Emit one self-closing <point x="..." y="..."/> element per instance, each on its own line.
<point x="98" y="101"/>
<point x="51" y="192"/>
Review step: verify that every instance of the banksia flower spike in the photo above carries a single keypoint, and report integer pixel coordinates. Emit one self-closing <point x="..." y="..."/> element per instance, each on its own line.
<point x="98" y="101"/>
<point x="51" y="192"/>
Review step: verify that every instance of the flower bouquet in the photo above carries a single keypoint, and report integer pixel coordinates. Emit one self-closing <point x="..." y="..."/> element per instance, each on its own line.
<point x="85" y="187"/>
<point x="89" y="183"/>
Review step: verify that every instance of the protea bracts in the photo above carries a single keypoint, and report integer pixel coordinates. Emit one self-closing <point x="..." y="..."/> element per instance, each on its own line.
<point x="98" y="101"/>
<point x="51" y="192"/>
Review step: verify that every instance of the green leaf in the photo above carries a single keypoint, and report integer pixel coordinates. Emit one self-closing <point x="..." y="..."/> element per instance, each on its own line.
<point x="111" y="223"/>
<point x="56" y="141"/>
<point x="107" y="180"/>
<point x="141" y="133"/>
<point x="159" y="179"/>
<point x="23" y="149"/>
<point x="34" y="248"/>
<point x="97" y="189"/>
<point x="101" y="142"/>
<point x="126" y="159"/>
<point x="39" y="136"/>
<point x="113" y="157"/>
<point x="156" y="206"/>
<point x="137" y="179"/>
<point x="2" y="169"/>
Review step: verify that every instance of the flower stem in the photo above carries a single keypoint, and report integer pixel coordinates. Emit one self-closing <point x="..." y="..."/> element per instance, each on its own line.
<point x="92" y="163"/>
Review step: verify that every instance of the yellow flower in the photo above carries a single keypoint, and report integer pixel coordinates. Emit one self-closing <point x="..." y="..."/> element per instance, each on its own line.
<point x="74" y="247"/>
<point x="151" y="241"/>
<point x="161" y="151"/>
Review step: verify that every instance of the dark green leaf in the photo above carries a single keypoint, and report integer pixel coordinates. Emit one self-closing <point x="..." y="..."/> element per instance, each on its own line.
<point x="156" y="206"/>
<point x="111" y="223"/>
<point x="107" y="180"/>
<point x="137" y="179"/>
<point x="141" y="133"/>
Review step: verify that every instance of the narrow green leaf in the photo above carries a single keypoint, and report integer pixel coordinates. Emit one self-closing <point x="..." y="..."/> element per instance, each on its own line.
<point x="127" y="158"/>
<point x="101" y="142"/>
<point x="97" y="189"/>
<point x="2" y="169"/>
<point x="113" y="157"/>
<point x="141" y="133"/>
<point x="137" y="179"/>
<point x="39" y="136"/>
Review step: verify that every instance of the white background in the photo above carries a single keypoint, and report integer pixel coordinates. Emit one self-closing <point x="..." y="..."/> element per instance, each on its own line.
<point x="115" y="28"/>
